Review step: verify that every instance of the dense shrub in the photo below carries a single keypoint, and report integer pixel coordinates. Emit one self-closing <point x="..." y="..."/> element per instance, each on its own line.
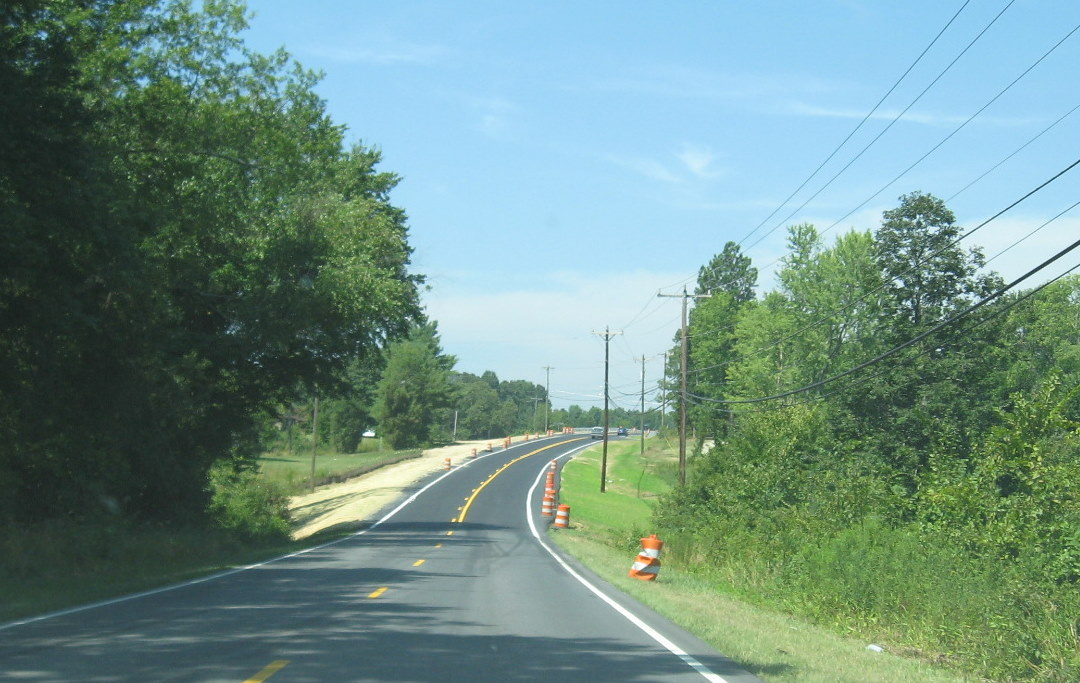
<point x="246" y="505"/>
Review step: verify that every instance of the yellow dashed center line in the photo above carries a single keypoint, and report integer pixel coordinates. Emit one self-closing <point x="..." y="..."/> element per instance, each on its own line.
<point x="378" y="592"/>
<point x="269" y="671"/>
<point x="418" y="563"/>
<point x="476" y="492"/>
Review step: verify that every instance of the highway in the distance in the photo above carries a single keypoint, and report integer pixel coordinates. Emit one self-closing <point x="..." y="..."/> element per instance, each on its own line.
<point x="457" y="584"/>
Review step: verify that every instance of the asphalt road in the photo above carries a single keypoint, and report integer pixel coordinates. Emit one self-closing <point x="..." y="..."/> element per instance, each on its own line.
<point x="455" y="584"/>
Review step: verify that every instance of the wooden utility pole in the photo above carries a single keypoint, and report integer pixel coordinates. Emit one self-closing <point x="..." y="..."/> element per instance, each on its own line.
<point x="683" y="392"/>
<point x="663" y="397"/>
<point x="547" y="396"/>
<point x="314" y="439"/>
<point x="642" y="425"/>
<point x="607" y="335"/>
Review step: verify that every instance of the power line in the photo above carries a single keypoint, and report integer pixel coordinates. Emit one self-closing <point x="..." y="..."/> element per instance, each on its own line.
<point x="867" y="117"/>
<point x="830" y="315"/>
<point x="913" y="340"/>
<point x="701" y="400"/>
<point x="924" y="156"/>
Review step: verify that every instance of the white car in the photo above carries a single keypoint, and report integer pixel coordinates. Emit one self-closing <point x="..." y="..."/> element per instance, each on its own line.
<point x="597" y="432"/>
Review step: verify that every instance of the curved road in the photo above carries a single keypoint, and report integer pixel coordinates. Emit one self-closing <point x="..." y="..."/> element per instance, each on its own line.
<point x="456" y="583"/>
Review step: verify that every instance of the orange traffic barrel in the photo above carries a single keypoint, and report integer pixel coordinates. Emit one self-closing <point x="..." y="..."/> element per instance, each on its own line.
<point x="546" y="509"/>
<point x="446" y="463"/>
<point x="647" y="564"/>
<point x="562" y="517"/>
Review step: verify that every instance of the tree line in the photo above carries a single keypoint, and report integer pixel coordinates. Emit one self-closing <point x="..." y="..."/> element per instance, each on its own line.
<point x="189" y="243"/>
<point x="192" y="256"/>
<point x="887" y="451"/>
<point x="412" y="397"/>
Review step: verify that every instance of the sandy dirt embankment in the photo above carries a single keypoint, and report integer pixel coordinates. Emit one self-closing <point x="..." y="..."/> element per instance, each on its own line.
<point x="358" y="499"/>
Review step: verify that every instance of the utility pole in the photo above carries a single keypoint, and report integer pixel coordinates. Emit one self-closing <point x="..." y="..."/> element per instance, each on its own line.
<point x="547" y="396"/>
<point x="607" y="335"/>
<point x="314" y="438"/>
<point x="642" y="405"/>
<point x="685" y="360"/>
<point x="663" y="397"/>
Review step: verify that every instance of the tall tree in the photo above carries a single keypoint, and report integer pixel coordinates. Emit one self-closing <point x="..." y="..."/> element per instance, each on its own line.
<point x="414" y="388"/>
<point x="191" y="245"/>
<point x="730" y="279"/>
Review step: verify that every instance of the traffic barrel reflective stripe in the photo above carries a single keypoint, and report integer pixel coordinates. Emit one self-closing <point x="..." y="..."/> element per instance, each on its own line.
<point x="562" y="517"/>
<point x="647" y="564"/>
<point x="547" y="509"/>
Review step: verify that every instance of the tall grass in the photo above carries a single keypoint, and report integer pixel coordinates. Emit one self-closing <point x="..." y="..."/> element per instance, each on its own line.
<point x="738" y="604"/>
<point x="53" y="565"/>
<point x="292" y="471"/>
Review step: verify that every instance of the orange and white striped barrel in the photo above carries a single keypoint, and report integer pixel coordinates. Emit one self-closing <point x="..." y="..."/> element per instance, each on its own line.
<point x="547" y="509"/>
<point x="446" y="463"/>
<point x="553" y="466"/>
<point x="473" y="453"/>
<point x="562" y="517"/>
<point x="647" y="564"/>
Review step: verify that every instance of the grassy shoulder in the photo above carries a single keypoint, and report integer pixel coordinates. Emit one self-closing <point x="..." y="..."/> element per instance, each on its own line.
<point x="57" y="565"/>
<point x="604" y="534"/>
<point x="49" y="567"/>
<point x="292" y="471"/>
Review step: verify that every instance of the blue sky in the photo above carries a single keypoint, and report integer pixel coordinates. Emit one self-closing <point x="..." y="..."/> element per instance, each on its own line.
<point x="564" y="162"/>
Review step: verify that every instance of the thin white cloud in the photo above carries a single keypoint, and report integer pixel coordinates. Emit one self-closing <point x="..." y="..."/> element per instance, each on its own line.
<point x="698" y="160"/>
<point x="516" y="333"/>
<point x="384" y="52"/>
<point x="920" y="117"/>
<point x="688" y="82"/>
<point x="497" y="117"/>
<point x="650" y="168"/>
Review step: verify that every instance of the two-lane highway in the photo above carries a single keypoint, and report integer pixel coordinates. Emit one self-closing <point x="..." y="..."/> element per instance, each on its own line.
<point x="454" y="584"/>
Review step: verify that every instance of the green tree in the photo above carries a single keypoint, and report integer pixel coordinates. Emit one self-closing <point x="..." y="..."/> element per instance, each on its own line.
<point x="414" y="388"/>
<point x="195" y="246"/>
<point x="730" y="279"/>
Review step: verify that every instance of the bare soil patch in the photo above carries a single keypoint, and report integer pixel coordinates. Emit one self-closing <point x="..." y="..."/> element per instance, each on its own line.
<point x="357" y="500"/>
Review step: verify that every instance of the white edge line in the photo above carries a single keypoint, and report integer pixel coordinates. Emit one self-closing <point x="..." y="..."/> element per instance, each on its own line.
<point x="630" y="616"/>
<point x="237" y="570"/>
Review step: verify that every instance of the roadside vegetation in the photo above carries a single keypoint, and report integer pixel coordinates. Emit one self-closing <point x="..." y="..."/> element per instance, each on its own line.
<point x="765" y="635"/>
<point x="198" y="267"/>
<point x="51" y="565"/>
<point x="888" y="443"/>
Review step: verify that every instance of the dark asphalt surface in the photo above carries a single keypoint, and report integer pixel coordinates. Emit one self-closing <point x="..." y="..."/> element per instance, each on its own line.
<point x="421" y="596"/>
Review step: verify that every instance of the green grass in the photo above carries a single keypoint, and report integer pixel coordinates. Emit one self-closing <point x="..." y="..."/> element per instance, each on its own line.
<point x="603" y="535"/>
<point x="47" y="567"/>
<point x="52" y="566"/>
<point x="293" y="472"/>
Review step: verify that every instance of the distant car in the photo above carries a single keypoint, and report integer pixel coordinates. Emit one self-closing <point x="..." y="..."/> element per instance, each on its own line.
<point x="623" y="431"/>
<point x="597" y="432"/>
<point x="369" y="433"/>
